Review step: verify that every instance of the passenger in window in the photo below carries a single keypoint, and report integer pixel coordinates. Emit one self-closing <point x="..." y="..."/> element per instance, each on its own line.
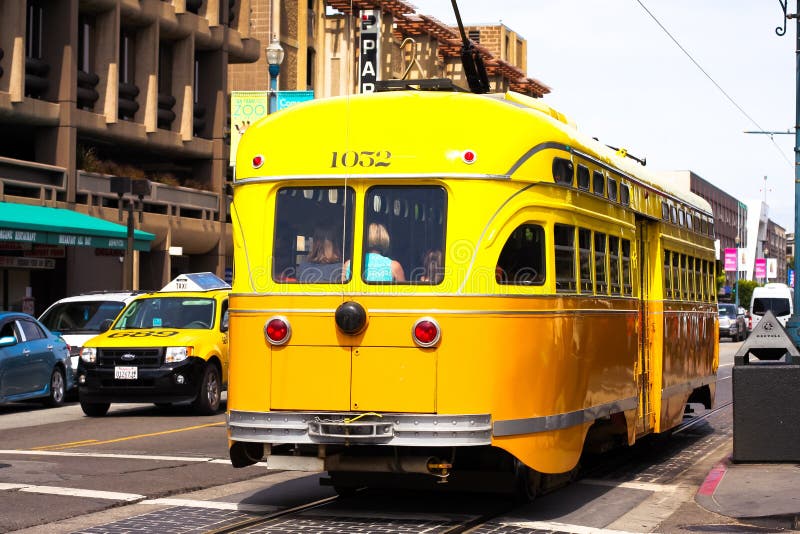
<point x="432" y="265"/>
<point x="324" y="261"/>
<point x="378" y="267"/>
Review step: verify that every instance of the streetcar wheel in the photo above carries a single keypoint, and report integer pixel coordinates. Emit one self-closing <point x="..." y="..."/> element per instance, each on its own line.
<point x="95" y="409"/>
<point x="208" y="398"/>
<point x="526" y="483"/>
<point x="57" y="389"/>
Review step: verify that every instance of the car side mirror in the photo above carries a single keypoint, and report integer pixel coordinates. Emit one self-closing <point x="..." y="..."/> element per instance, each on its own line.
<point x="7" y="341"/>
<point x="106" y="324"/>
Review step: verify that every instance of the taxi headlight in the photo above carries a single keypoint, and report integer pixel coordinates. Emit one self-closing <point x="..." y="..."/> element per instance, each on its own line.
<point x="89" y="354"/>
<point x="177" y="354"/>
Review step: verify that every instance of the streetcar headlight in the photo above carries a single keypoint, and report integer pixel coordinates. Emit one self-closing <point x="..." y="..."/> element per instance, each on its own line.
<point x="89" y="354"/>
<point x="176" y="354"/>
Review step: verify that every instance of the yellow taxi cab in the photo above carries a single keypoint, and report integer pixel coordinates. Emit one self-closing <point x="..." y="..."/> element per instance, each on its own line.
<point x="165" y="347"/>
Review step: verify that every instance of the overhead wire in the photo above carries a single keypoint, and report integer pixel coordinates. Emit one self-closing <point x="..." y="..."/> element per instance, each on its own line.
<point x="717" y="85"/>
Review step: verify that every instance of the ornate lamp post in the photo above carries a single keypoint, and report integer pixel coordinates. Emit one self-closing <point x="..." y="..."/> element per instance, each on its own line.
<point x="275" y="55"/>
<point x="793" y="325"/>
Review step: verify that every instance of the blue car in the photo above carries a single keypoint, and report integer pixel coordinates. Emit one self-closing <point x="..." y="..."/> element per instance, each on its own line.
<point x="34" y="362"/>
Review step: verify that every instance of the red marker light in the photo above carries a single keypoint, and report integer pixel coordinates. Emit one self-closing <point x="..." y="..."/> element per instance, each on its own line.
<point x="277" y="330"/>
<point x="469" y="157"/>
<point x="258" y="161"/>
<point x="426" y="332"/>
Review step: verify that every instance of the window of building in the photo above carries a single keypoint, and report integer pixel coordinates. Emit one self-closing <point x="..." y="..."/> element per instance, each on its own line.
<point x="522" y="260"/>
<point x="474" y="36"/>
<point x="585" y="258"/>
<point x="612" y="189"/>
<point x="86" y="43"/>
<point x="598" y="183"/>
<point x="35" y="31"/>
<point x="600" y="272"/>
<point x="127" y="56"/>
<point x="564" y="242"/>
<point x="583" y="177"/>
<point x="313" y="240"/>
<point x="563" y="171"/>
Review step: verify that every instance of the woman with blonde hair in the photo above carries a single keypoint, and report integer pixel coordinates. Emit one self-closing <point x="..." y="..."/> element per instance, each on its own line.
<point x="378" y="267"/>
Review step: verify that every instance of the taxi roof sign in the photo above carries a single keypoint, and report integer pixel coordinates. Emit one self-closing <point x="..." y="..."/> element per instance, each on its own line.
<point x="196" y="282"/>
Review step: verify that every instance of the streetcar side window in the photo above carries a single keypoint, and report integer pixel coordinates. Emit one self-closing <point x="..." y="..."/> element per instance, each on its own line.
<point x="698" y="280"/>
<point x="564" y="241"/>
<point x="612" y="189"/>
<point x="676" y="284"/>
<point x="585" y="256"/>
<point x="624" y="194"/>
<point x="563" y="171"/>
<point x="627" y="288"/>
<point x="600" y="271"/>
<point x="404" y="235"/>
<point x="613" y="263"/>
<point x="667" y="276"/>
<point x="598" y="183"/>
<point x="684" y="278"/>
<point x="583" y="177"/>
<point x="665" y="211"/>
<point x="313" y="239"/>
<point x="673" y="214"/>
<point x="522" y="260"/>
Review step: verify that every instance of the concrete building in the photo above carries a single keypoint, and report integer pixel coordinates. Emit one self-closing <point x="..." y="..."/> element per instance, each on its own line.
<point x="91" y="89"/>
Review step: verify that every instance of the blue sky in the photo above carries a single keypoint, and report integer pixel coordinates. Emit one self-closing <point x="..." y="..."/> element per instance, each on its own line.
<point x="621" y="78"/>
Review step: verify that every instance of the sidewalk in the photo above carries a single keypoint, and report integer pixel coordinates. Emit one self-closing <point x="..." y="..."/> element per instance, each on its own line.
<point x="753" y="491"/>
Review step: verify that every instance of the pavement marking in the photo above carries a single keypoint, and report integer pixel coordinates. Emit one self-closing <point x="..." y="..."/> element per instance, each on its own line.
<point x="213" y="505"/>
<point x="646" y="486"/>
<point x="75" y="444"/>
<point x="560" y="527"/>
<point x="22" y="452"/>
<point x="65" y="444"/>
<point x="714" y="478"/>
<point x="74" y="492"/>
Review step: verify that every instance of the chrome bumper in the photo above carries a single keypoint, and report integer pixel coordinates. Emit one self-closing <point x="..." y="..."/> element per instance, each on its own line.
<point x="353" y="428"/>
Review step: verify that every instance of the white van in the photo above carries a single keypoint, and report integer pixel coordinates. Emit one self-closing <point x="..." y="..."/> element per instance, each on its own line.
<point x="774" y="296"/>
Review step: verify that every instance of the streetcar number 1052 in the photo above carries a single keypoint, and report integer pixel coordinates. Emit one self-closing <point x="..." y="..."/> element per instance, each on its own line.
<point x="363" y="158"/>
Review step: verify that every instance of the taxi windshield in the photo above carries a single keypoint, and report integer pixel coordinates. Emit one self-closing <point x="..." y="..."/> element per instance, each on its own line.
<point x="168" y="312"/>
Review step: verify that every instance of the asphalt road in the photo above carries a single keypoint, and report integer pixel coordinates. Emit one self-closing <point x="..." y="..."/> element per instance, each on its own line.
<point x="149" y="469"/>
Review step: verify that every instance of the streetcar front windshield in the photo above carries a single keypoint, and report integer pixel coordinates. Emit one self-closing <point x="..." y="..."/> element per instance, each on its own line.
<point x="403" y="237"/>
<point x="168" y="312"/>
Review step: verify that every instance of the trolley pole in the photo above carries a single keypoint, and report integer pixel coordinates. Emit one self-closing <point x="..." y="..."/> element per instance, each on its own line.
<point x="793" y="325"/>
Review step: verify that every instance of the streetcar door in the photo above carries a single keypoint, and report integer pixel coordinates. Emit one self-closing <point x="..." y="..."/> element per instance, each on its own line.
<point x="647" y="249"/>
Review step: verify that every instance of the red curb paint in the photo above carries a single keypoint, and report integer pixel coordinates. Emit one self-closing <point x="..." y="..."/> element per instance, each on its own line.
<point x="713" y="479"/>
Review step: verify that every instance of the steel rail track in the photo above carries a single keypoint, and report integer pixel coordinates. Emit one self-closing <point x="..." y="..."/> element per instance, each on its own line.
<point x="255" y="521"/>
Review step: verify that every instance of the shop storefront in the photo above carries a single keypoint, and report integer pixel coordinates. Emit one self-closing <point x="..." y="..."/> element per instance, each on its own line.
<point x="41" y="247"/>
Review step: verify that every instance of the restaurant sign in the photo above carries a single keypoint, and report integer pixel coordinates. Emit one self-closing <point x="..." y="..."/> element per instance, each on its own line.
<point x="75" y="240"/>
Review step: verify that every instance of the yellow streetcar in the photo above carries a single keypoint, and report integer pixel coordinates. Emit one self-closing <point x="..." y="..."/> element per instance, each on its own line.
<point x="439" y="285"/>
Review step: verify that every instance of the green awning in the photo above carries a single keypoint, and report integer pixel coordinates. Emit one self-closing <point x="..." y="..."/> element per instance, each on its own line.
<point x="54" y="226"/>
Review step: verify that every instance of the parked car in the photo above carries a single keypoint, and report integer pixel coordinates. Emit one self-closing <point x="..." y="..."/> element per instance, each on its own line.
<point x="732" y="322"/>
<point x="80" y="318"/>
<point x="166" y="347"/>
<point x="34" y="362"/>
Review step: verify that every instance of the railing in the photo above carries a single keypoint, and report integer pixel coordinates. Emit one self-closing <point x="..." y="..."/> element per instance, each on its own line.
<point x="32" y="180"/>
<point x="95" y="190"/>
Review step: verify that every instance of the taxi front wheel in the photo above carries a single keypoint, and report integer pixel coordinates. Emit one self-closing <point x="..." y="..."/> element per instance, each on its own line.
<point x="207" y="401"/>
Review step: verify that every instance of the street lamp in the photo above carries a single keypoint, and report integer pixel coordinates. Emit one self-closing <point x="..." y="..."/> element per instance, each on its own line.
<point x="793" y="325"/>
<point x="737" y="272"/>
<point x="275" y="55"/>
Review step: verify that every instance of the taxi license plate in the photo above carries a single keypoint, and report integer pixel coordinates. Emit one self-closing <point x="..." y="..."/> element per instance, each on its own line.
<point x="126" y="373"/>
